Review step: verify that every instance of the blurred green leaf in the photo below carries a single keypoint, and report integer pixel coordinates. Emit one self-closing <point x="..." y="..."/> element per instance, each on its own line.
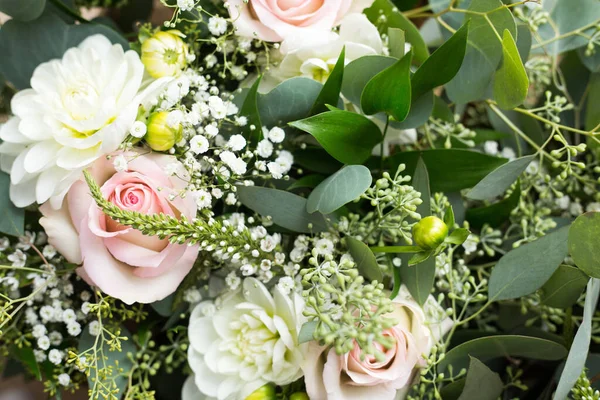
<point x="249" y="110"/>
<point x="500" y="179"/>
<point x="396" y="42"/>
<point x="458" y="236"/>
<point x="316" y="159"/>
<point x="26" y="356"/>
<point x="23" y="10"/>
<point x="583" y="244"/>
<point x="564" y="287"/>
<point x="364" y="259"/>
<point x="481" y="382"/>
<point x="511" y="82"/>
<point x="307" y="181"/>
<point x="289" y="101"/>
<point x="307" y="332"/>
<point x="592" y="61"/>
<point x="494" y="214"/>
<point x="347" y="136"/>
<point x="338" y="189"/>
<point x="12" y="219"/>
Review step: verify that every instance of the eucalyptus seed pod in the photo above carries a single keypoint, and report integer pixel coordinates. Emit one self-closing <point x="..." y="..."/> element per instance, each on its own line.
<point x="160" y="136"/>
<point x="429" y="232"/>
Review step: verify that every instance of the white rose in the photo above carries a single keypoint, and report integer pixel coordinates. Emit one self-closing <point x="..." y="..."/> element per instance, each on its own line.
<point x="79" y="108"/>
<point x="251" y="339"/>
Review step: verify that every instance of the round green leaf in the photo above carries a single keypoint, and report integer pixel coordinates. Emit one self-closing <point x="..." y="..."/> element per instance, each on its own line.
<point x="340" y="188"/>
<point x="500" y="179"/>
<point x="364" y="259"/>
<point x="564" y="287"/>
<point x="23" y="10"/>
<point x="359" y="72"/>
<point x="291" y="100"/>
<point x="583" y="243"/>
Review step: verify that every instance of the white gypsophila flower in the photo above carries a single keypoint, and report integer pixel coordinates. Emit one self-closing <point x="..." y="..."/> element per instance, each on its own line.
<point x="508" y="153"/>
<point x="203" y="199"/>
<point x="192" y="296"/>
<point x="264" y="148"/>
<point x="74" y="328"/>
<point x="324" y="247"/>
<point x="592" y="207"/>
<point x="490" y="147"/>
<point x="211" y="60"/>
<point x="49" y="251"/>
<point x="236" y="164"/>
<point x="575" y="209"/>
<point x="199" y="144"/>
<point x="40" y="355"/>
<point x="217" y="25"/>
<point x="79" y="108"/>
<point x="470" y="245"/>
<point x="64" y="379"/>
<point x="276" y="170"/>
<point x="211" y="130"/>
<point x="120" y="163"/>
<point x="43" y="342"/>
<point x="216" y="193"/>
<point x="218" y="108"/>
<point x="85" y="307"/>
<point x="276" y="135"/>
<point x="250" y="340"/>
<point x="230" y="200"/>
<point x="138" y="129"/>
<point x="186" y="5"/>
<point x="563" y="202"/>
<point x="232" y="281"/>
<point x="18" y="258"/>
<point x="55" y="338"/>
<point x="4" y="243"/>
<point x="94" y="328"/>
<point x="55" y="356"/>
<point x="236" y="142"/>
<point x="286" y="284"/>
<point x="38" y="331"/>
<point x="68" y="316"/>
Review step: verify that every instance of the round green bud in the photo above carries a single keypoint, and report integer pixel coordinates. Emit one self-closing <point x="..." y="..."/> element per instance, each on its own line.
<point x="429" y="232"/>
<point x="266" y="392"/>
<point x="299" y="396"/>
<point x="160" y="136"/>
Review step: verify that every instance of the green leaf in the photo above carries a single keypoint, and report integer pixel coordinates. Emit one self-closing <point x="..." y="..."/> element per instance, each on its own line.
<point x="26" y="356"/>
<point x="330" y="93"/>
<point x="389" y="91"/>
<point x="511" y="82"/>
<point x="449" y="217"/>
<point x="420" y="111"/>
<point x="250" y="110"/>
<point x="397" y="282"/>
<point x="419" y="279"/>
<point x="583" y="243"/>
<point x="286" y="209"/>
<point x="307" y="332"/>
<point x="564" y="287"/>
<point x="25" y="45"/>
<point x="495" y="214"/>
<point x="164" y="307"/>
<point x="396" y="42"/>
<point x="525" y="269"/>
<point x="581" y="343"/>
<point x="500" y="179"/>
<point x="364" y="259"/>
<point x="484" y="50"/>
<point x="116" y="360"/>
<point x="458" y="236"/>
<point x="23" y="10"/>
<point x="340" y="188"/>
<point x="501" y="346"/>
<point x="316" y="159"/>
<point x="289" y="101"/>
<point x="12" y="219"/>
<point x="360" y="71"/>
<point x="347" y="136"/>
<point x="450" y="170"/>
<point x="592" y="111"/>
<point x="419" y="258"/>
<point x="307" y="181"/>
<point x="395" y="19"/>
<point x="481" y="383"/>
<point x="592" y="62"/>
<point x="442" y="65"/>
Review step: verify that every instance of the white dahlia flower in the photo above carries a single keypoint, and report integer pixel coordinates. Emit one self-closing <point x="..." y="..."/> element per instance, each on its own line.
<point x="244" y="342"/>
<point x="78" y="109"/>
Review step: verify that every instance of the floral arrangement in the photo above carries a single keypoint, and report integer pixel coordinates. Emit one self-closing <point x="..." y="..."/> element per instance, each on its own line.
<point x="317" y="199"/>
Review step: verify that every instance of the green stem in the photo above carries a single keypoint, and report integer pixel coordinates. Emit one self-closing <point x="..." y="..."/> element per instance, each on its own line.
<point x="396" y="249"/>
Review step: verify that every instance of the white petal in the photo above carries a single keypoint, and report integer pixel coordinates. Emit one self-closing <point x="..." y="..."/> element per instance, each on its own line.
<point x="255" y="292"/>
<point x="47" y="183"/>
<point x="18" y="173"/>
<point x="9" y="132"/>
<point x="69" y="158"/>
<point x="61" y="232"/>
<point x="207" y="381"/>
<point x="202" y="334"/>
<point x="40" y="155"/>
<point x="22" y="194"/>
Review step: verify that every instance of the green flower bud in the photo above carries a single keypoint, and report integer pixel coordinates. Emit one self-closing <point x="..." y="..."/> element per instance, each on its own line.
<point x="429" y="232"/>
<point x="164" y="54"/>
<point x="161" y="136"/>
<point x="299" y="396"/>
<point x="266" y="392"/>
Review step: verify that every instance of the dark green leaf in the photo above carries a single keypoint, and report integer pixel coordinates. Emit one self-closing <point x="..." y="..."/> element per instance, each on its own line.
<point x="330" y="93"/>
<point x="420" y="111"/>
<point x="396" y="42"/>
<point x="12" y="219"/>
<point x="164" y="307"/>
<point x="583" y="243"/>
<point x="347" y="136"/>
<point x="286" y="209"/>
<point x="525" y="269"/>
<point x="458" y="236"/>
<point x="250" y="110"/>
<point x="359" y="72"/>
<point x="500" y="179"/>
<point x="291" y="100"/>
<point x="317" y="160"/>
<point x="481" y="383"/>
<point x="307" y="331"/>
<point x="592" y="61"/>
<point x="397" y="282"/>
<point x="564" y="287"/>
<point x="395" y="19"/>
<point x="581" y="343"/>
<point x="340" y="188"/>
<point x="441" y="110"/>
<point x="389" y="91"/>
<point x="511" y="82"/>
<point x="450" y="170"/>
<point x="442" y="65"/>
<point x="592" y="112"/>
<point x="23" y="10"/>
<point x="26" y="356"/>
<point x="364" y="259"/>
<point x="308" y="181"/>
<point x="25" y="45"/>
<point x="495" y="214"/>
<point x="490" y="347"/>
<point x="449" y="217"/>
<point x="419" y="258"/>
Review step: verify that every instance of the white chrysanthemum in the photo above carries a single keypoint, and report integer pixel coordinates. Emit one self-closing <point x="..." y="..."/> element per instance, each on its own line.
<point x="250" y="340"/>
<point x="80" y="108"/>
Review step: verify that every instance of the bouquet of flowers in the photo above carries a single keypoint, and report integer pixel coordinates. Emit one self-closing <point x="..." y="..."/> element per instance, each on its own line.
<point x="316" y="199"/>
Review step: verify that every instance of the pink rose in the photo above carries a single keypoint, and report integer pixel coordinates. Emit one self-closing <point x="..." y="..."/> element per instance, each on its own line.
<point x="119" y="260"/>
<point x="276" y="20"/>
<point x="330" y="376"/>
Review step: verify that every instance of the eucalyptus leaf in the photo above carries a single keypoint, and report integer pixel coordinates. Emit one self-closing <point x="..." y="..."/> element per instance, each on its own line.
<point x="26" y="356"/>
<point x="494" y="214"/>
<point x="286" y="209"/>
<point x="396" y="42"/>
<point x="511" y="82"/>
<point x="564" y="287"/>
<point x="249" y="110"/>
<point x="581" y="343"/>
<point x="12" y="219"/>
<point x="164" y="307"/>
<point x="289" y="101"/>
<point x="583" y="245"/>
<point x="419" y="113"/>
<point x="330" y="93"/>
<point x="419" y="258"/>
<point x="591" y="61"/>
<point x="458" y="236"/>
<point x="307" y="181"/>
<point x="525" y="269"/>
<point x="501" y="346"/>
<point x="25" y="45"/>
<point x="364" y="259"/>
<point x="316" y="159"/>
<point x="340" y="188"/>
<point x="360" y="71"/>
<point x="307" y="332"/>
<point x="347" y="136"/>
<point x="389" y="91"/>
<point x="23" y="10"/>
<point x="481" y="383"/>
<point x="500" y="179"/>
